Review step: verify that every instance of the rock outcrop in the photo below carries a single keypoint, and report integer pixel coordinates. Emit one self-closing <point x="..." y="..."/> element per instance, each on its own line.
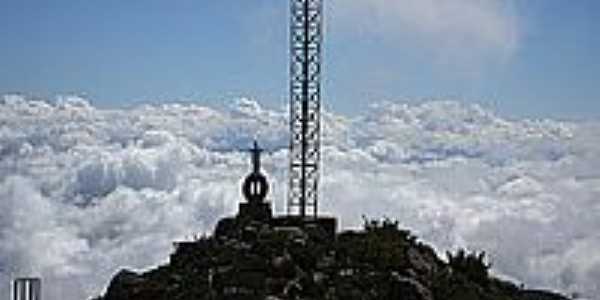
<point x="257" y="261"/>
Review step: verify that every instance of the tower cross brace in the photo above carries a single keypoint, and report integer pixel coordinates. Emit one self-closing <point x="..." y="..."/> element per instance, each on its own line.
<point x="306" y="36"/>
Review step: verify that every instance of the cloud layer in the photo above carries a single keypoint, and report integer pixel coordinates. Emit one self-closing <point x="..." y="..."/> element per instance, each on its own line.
<point x="86" y="191"/>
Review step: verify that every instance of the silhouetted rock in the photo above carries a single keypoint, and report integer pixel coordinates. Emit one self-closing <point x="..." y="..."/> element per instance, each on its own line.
<point x="254" y="260"/>
<point x="540" y="295"/>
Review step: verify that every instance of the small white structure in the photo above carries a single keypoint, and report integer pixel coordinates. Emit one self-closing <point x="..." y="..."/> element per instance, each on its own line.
<point x="27" y="289"/>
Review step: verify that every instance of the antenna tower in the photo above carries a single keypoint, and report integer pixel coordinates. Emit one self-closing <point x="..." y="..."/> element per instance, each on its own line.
<point x="306" y="36"/>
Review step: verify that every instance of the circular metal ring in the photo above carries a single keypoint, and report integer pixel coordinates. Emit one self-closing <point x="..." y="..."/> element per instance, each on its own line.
<point x="255" y="187"/>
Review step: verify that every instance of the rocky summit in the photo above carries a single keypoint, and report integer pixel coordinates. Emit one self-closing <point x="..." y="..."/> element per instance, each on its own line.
<point x="250" y="259"/>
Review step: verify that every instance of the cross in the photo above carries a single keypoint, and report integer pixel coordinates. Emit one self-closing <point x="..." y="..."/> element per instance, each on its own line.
<point x="256" y="151"/>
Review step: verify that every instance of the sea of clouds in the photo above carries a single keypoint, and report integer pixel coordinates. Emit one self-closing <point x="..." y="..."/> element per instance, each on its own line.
<point x="86" y="191"/>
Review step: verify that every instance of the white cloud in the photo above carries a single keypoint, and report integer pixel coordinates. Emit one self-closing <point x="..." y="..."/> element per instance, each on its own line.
<point x="457" y="28"/>
<point x="86" y="191"/>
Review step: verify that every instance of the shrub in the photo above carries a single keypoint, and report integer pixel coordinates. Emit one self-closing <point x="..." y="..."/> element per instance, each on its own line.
<point x="472" y="265"/>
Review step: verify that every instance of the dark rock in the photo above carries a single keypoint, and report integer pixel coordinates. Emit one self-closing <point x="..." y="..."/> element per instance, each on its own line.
<point x="124" y="285"/>
<point x="540" y="295"/>
<point x="259" y="261"/>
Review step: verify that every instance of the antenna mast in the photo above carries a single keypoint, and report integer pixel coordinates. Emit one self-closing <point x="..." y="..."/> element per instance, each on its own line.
<point x="306" y="36"/>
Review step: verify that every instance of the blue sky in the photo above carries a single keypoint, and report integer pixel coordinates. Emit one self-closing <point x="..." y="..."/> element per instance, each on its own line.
<point x="521" y="58"/>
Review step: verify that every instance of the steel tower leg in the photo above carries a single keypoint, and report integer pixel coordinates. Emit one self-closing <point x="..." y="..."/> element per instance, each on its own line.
<point x="305" y="106"/>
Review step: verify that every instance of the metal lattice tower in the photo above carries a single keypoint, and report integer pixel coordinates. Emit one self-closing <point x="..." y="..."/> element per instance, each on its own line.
<point x="306" y="36"/>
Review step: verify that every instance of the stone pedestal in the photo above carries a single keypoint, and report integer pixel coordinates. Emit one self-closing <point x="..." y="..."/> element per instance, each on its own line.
<point x="260" y="211"/>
